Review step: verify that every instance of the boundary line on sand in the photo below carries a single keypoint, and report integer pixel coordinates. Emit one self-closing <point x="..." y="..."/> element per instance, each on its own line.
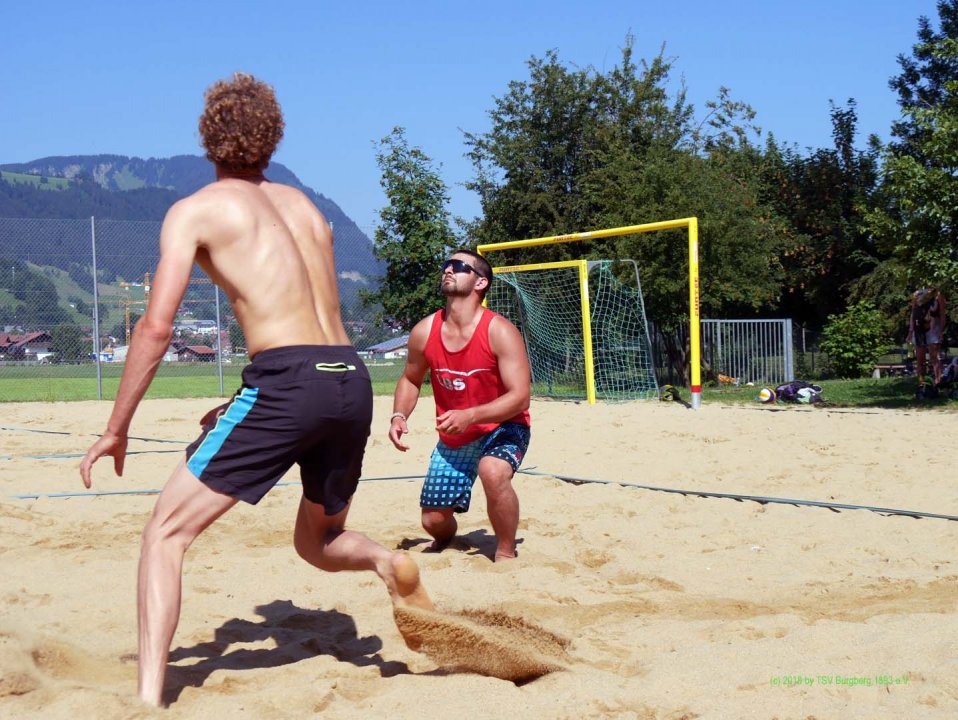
<point x="761" y="499"/>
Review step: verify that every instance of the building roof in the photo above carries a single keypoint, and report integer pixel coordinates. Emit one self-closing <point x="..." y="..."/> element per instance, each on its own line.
<point x="198" y="349"/>
<point x="397" y="343"/>
<point x="12" y="340"/>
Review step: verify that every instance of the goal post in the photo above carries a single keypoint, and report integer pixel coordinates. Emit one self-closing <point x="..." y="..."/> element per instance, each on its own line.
<point x="690" y="224"/>
<point x="581" y="269"/>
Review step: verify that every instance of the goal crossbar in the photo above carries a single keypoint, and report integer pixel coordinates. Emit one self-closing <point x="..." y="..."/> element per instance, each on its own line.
<point x="691" y="224"/>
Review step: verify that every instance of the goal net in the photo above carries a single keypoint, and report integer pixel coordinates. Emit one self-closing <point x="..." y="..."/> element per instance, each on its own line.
<point x="584" y="325"/>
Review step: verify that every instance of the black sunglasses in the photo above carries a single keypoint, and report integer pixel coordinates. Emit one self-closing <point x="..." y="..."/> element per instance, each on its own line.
<point x="458" y="266"/>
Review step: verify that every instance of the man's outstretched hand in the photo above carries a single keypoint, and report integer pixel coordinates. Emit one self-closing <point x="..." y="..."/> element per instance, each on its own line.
<point x="109" y="444"/>
<point x="398" y="428"/>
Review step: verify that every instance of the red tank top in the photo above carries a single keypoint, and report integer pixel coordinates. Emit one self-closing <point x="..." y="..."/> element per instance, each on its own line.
<point x="465" y="378"/>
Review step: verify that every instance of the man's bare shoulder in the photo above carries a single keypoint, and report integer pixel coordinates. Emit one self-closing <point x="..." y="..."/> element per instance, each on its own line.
<point x="420" y="331"/>
<point x="288" y="191"/>
<point x="502" y="324"/>
<point x="184" y="211"/>
<point x="204" y="212"/>
<point x="215" y="193"/>
<point x="502" y="332"/>
<point x="237" y="187"/>
<point x="287" y="194"/>
<point x="287" y="198"/>
<point x="233" y="198"/>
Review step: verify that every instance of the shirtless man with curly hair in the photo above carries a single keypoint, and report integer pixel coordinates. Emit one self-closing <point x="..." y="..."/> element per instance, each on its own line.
<point x="306" y="397"/>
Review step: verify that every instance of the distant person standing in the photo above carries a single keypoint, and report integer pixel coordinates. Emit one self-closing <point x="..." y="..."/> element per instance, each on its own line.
<point x="306" y="397"/>
<point x="926" y="328"/>
<point x="481" y="382"/>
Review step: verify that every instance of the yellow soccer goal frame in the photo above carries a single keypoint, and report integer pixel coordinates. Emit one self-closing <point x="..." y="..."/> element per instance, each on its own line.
<point x="692" y="226"/>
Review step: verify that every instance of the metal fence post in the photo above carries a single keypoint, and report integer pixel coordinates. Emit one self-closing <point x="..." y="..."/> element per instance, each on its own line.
<point x="789" y="351"/>
<point x="96" y="314"/>
<point x="219" y="338"/>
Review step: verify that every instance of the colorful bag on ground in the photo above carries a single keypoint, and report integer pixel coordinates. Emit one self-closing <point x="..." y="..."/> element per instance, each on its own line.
<point x="799" y="391"/>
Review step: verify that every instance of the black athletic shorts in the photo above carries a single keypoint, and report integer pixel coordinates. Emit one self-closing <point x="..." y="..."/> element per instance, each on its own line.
<point x="306" y="404"/>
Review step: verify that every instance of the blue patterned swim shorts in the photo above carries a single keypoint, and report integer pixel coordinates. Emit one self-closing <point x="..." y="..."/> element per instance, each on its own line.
<point x="452" y="471"/>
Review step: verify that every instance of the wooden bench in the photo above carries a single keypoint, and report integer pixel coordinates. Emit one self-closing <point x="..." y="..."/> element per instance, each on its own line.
<point x="893" y="370"/>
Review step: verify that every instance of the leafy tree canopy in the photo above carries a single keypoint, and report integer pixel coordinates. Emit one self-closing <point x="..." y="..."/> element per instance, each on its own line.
<point x="415" y="234"/>
<point x="68" y="342"/>
<point x="917" y="223"/>
<point x="924" y="77"/>
<point x="823" y="196"/>
<point x="575" y="149"/>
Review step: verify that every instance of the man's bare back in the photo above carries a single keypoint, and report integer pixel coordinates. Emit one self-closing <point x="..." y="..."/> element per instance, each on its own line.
<point x="306" y="398"/>
<point x="271" y="251"/>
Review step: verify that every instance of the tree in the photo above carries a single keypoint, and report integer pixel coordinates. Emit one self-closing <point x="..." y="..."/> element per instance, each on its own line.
<point x="854" y="340"/>
<point x="122" y="332"/>
<point x="823" y="196"/>
<point x="918" y="221"/>
<point x="740" y="239"/>
<point x="68" y="343"/>
<point x="923" y="81"/>
<point x="39" y="303"/>
<point x="530" y="166"/>
<point x="572" y="149"/>
<point x="237" y="338"/>
<point x="414" y="237"/>
<point x="554" y="135"/>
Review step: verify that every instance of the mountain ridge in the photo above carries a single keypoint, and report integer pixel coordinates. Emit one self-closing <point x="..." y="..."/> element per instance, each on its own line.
<point x="142" y="189"/>
<point x="184" y="174"/>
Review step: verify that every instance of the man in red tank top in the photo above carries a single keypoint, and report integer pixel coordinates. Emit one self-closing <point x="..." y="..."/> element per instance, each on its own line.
<point x="480" y="379"/>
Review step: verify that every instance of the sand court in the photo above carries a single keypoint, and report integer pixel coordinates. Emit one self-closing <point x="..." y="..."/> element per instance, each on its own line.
<point x="636" y="604"/>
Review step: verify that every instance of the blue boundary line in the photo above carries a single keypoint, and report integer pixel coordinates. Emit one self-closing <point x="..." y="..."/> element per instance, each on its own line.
<point x="155" y="491"/>
<point x="61" y="432"/>
<point x="761" y="499"/>
<point x="835" y="507"/>
<point x="61" y="456"/>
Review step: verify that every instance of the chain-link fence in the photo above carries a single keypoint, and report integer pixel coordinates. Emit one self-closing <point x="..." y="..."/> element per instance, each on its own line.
<point x="64" y="337"/>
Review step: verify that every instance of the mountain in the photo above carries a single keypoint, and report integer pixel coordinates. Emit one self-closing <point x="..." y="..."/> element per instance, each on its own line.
<point x="117" y="187"/>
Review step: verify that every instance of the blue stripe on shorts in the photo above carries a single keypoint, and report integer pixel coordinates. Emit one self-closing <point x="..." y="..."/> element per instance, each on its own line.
<point x="238" y="409"/>
<point x="452" y="471"/>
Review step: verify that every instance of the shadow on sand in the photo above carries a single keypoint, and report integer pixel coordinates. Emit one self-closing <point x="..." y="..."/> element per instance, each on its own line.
<point x="298" y="633"/>
<point x="477" y="542"/>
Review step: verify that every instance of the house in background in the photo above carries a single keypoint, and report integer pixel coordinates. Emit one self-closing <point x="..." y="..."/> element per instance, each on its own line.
<point x="119" y="354"/>
<point x="388" y="349"/>
<point x="195" y="327"/>
<point x="196" y="353"/>
<point x="30" y="346"/>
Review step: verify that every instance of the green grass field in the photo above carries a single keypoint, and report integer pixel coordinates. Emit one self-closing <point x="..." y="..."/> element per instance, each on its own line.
<point x="40" y="181"/>
<point x="64" y="383"/>
<point x="890" y="392"/>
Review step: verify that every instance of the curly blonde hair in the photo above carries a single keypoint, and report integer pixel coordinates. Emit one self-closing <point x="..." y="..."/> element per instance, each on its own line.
<point x="241" y="124"/>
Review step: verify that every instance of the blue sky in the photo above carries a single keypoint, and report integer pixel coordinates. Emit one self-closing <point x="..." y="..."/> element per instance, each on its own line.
<point x="128" y="77"/>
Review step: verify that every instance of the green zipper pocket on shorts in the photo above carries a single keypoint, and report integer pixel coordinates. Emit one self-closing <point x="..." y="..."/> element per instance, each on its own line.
<point x="334" y="367"/>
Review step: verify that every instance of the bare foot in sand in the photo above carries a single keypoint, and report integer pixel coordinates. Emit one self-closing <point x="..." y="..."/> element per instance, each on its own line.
<point x="503" y="555"/>
<point x="405" y="589"/>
